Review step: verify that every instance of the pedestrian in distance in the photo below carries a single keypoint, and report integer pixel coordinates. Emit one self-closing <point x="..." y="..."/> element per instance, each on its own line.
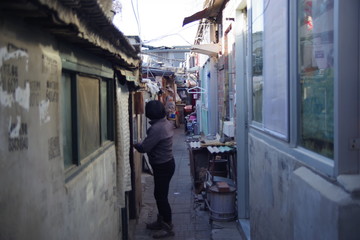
<point x="158" y="146"/>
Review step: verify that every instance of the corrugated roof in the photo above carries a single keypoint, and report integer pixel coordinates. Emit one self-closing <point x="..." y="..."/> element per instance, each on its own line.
<point x="80" y="22"/>
<point x="158" y="72"/>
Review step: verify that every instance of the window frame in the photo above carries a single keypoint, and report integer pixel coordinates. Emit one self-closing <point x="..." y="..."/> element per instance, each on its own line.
<point x="346" y="96"/>
<point x="73" y="122"/>
<point x="264" y="125"/>
<point x="345" y="161"/>
<point x="317" y="161"/>
<point x="77" y="162"/>
<point x="346" y="119"/>
<point x="253" y="122"/>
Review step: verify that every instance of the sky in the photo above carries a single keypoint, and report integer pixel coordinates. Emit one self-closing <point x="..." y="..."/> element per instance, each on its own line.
<point x="160" y="21"/>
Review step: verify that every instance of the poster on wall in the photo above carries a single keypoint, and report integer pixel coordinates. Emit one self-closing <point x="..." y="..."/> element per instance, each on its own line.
<point x="29" y="97"/>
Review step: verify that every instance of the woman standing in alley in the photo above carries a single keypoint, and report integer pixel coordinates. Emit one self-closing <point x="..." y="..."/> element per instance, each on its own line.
<point x="158" y="146"/>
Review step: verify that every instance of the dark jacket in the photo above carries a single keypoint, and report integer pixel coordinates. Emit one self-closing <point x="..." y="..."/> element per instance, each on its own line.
<point x="158" y="142"/>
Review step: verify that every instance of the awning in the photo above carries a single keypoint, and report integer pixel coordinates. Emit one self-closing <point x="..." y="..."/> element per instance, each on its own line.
<point x="193" y="69"/>
<point x="157" y="72"/>
<point x="130" y="76"/>
<point x="211" y="11"/>
<point x="207" y="49"/>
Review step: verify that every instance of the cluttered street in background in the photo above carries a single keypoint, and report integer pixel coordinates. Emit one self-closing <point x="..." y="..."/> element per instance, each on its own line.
<point x="191" y="216"/>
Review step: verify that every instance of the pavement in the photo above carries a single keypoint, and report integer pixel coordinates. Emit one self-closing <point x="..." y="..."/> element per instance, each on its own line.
<point x="190" y="216"/>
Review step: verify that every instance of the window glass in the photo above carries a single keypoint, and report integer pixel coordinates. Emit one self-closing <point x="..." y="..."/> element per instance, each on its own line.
<point x="229" y="73"/>
<point x="232" y="93"/>
<point x="316" y="75"/>
<point x="104" y="111"/>
<point x="86" y="108"/>
<point x="66" y="115"/>
<point x="275" y="68"/>
<point x="88" y="115"/>
<point x="257" y="59"/>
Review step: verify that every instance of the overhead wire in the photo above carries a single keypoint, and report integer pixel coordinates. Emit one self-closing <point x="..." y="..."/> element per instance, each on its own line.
<point x="176" y="31"/>
<point x="165" y="58"/>
<point x="136" y="15"/>
<point x="182" y="37"/>
<point x="263" y="12"/>
<point x="167" y="35"/>
<point x="170" y="34"/>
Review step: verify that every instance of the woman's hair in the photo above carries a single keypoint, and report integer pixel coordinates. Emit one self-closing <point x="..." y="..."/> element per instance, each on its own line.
<point x="154" y="109"/>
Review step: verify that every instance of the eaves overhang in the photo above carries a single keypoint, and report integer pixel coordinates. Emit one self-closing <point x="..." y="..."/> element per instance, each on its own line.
<point x="80" y="22"/>
<point x="211" y="12"/>
<point x="207" y="49"/>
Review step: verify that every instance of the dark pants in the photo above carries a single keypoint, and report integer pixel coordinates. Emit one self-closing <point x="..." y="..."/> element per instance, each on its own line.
<point x="162" y="176"/>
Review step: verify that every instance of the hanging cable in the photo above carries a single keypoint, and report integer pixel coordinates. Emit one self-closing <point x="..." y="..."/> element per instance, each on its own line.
<point x="168" y="35"/>
<point x="169" y="59"/>
<point x="183" y="38"/>
<point x="136" y="15"/>
<point x="263" y="12"/>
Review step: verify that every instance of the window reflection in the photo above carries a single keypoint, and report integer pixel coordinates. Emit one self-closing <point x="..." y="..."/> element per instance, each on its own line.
<point x="316" y="46"/>
<point x="257" y="59"/>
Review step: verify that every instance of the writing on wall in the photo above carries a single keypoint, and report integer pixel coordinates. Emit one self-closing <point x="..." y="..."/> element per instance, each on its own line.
<point x="18" y="136"/>
<point x="9" y="77"/>
<point x="52" y="91"/>
<point x="35" y="88"/>
<point x="49" y="65"/>
<point x="13" y="66"/>
<point x="29" y="94"/>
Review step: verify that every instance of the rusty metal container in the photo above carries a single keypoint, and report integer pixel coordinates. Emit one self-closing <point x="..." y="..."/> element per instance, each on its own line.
<point x="221" y="204"/>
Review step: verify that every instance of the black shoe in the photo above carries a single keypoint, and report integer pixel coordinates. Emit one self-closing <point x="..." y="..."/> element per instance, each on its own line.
<point x="157" y="225"/>
<point x="166" y="231"/>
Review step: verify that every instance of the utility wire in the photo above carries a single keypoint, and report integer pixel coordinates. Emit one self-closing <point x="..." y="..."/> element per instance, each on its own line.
<point x="170" y="34"/>
<point x="263" y="12"/>
<point x="136" y="16"/>
<point x="165" y="58"/>
<point x="183" y="38"/>
<point x="166" y="35"/>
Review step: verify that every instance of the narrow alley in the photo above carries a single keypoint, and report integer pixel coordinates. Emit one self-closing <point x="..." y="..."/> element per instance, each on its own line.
<point x="191" y="220"/>
<point x="263" y="95"/>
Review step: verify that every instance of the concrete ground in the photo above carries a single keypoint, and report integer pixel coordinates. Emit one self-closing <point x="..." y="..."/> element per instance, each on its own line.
<point x="190" y="218"/>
